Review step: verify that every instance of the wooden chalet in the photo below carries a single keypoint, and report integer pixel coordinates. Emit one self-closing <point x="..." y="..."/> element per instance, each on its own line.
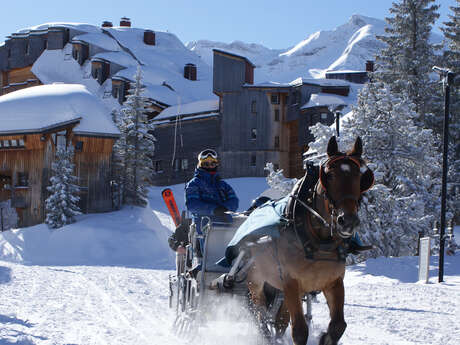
<point x="33" y="122"/>
<point x="249" y="125"/>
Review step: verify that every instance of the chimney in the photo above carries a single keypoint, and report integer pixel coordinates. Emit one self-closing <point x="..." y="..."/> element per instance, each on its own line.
<point x="149" y="37"/>
<point x="369" y="66"/>
<point x="190" y="71"/>
<point x="107" y="24"/>
<point x="126" y="22"/>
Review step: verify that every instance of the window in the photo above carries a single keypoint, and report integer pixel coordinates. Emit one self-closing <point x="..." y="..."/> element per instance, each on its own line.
<point x="61" y="139"/>
<point x="275" y="98"/>
<point x="253" y="160"/>
<point x="184" y="164"/>
<point x="323" y="117"/>
<point x="12" y="144"/>
<point x="79" y="146"/>
<point x="27" y="48"/>
<point x="176" y="165"/>
<point x="254" y="107"/>
<point x="277" y="142"/>
<point x="158" y="167"/>
<point x="45" y="43"/>
<point x="277" y="115"/>
<point x="23" y="179"/>
<point x="253" y="134"/>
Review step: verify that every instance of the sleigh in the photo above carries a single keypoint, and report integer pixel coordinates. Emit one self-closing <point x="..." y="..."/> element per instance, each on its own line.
<point x="198" y="294"/>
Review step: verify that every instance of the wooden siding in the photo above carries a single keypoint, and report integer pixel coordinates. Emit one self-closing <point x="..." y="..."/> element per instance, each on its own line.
<point x="92" y="168"/>
<point x="34" y="160"/>
<point x="94" y="171"/>
<point x="196" y="136"/>
<point x="228" y="73"/>
<point x="20" y="75"/>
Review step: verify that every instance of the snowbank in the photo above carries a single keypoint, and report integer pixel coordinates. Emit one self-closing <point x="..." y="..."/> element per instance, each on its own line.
<point x="132" y="237"/>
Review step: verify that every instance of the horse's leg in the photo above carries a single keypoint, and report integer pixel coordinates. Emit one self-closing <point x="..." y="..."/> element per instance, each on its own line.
<point x="335" y="300"/>
<point x="294" y="305"/>
<point x="282" y="320"/>
<point x="258" y="307"/>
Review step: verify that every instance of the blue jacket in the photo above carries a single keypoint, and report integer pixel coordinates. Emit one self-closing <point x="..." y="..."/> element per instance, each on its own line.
<point x="205" y="192"/>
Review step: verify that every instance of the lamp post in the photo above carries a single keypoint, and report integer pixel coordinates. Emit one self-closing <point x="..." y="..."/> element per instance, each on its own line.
<point x="448" y="78"/>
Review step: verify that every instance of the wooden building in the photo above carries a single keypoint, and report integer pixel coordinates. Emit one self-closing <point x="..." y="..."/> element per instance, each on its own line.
<point x="33" y="122"/>
<point x="252" y="124"/>
<point x="182" y="132"/>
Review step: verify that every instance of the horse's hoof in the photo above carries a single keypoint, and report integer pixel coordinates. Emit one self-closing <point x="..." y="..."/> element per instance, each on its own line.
<point x="325" y="339"/>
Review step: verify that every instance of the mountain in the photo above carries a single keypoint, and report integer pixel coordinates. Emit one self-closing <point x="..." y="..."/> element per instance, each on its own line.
<point x="347" y="47"/>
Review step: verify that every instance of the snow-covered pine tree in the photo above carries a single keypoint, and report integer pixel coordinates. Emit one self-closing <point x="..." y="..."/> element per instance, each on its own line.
<point x="452" y="61"/>
<point x="277" y="181"/>
<point x="405" y="197"/>
<point x="118" y="160"/>
<point x="136" y="145"/>
<point x="61" y="205"/>
<point x="407" y="60"/>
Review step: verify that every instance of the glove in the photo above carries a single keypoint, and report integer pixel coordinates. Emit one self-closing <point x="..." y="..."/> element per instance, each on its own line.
<point x="220" y="211"/>
<point x="172" y="242"/>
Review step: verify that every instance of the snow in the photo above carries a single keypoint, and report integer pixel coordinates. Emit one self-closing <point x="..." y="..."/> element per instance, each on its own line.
<point x="104" y="280"/>
<point x="346" y="47"/>
<point x="162" y="63"/>
<point x="99" y="40"/>
<point x="39" y="107"/>
<point x="198" y="107"/>
<point x="323" y="99"/>
<point x="319" y="82"/>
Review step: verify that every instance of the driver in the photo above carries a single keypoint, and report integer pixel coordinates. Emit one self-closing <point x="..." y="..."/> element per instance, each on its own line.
<point x="206" y="194"/>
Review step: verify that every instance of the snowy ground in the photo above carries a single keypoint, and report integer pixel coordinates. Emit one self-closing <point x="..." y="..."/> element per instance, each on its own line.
<point x="104" y="280"/>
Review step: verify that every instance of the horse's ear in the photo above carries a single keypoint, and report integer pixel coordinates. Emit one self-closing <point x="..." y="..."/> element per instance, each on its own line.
<point x="357" y="148"/>
<point x="332" y="147"/>
<point x="367" y="180"/>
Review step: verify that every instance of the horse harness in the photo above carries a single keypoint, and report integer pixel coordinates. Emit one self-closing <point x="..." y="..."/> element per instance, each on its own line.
<point x="314" y="247"/>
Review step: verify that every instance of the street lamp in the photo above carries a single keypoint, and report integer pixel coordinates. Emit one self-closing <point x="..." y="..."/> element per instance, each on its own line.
<point x="448" y="78"/>
<point x="335" y="109"/>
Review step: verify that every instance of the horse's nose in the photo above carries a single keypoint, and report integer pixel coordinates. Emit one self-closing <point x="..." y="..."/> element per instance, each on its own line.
<point x="348" y="220"/>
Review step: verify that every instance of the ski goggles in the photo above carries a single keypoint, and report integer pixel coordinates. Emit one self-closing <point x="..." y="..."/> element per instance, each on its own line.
<point x="207" y="154"/>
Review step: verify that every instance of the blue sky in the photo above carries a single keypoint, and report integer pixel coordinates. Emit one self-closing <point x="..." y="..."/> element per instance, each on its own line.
<point x="275" y="24"/>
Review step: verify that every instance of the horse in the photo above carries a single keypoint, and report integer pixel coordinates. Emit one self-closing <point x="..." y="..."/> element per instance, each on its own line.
<point x="309" y="254"/>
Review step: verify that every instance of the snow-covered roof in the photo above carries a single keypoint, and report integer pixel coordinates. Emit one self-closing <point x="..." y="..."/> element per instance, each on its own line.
<point x="319" y="82"/>
<point x="344" y="71"/>
<point x="43" y="107"/>
<point x="198" y="108"/>
<point x="324" y="99"/>
<point x="268" y="84"/>
<point x="235" y="55"/>
<point x="162" y="63"/>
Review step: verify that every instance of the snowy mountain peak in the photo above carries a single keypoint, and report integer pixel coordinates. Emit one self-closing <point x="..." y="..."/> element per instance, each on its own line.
<point x="347" y="47"/>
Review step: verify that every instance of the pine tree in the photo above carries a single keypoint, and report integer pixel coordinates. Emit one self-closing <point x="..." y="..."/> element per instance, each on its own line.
<point x="61" y="206"/>
<point x="136" y="145"/>
<point x="405" y="198"/>
<point x="452" y="61"/>
<point x="407" y="60"/>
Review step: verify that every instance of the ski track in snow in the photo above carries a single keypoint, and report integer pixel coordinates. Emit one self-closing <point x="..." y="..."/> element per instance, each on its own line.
<point x="115" y="305"/>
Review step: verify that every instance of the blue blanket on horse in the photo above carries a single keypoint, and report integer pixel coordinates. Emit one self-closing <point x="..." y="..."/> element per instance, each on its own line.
<point x="264" y="220"/>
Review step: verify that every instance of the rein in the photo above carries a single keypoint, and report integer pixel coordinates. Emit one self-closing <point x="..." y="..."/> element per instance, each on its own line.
<point x="310" y="241"/>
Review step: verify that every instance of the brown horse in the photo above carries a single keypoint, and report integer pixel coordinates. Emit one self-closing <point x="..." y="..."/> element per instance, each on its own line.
<point x="309" y="254"/>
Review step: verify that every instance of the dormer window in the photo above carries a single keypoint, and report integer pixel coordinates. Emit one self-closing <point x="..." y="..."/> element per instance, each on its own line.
<point x="190" y="71"/>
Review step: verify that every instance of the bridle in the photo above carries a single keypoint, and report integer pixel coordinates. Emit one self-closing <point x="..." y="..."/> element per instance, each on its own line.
<point x="310" y="241"/>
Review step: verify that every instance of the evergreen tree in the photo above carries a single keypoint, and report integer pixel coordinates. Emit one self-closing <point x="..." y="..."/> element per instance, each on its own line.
<point x="61" y="206"/>
<point x="405" y="197"/>
<point x="136" y="145"/>
<point x="452" y="61"/>
<point x="406" y="61"/>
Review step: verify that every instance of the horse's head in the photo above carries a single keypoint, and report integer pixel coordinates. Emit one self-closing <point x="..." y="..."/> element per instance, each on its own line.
<point x="344" y="177"/>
